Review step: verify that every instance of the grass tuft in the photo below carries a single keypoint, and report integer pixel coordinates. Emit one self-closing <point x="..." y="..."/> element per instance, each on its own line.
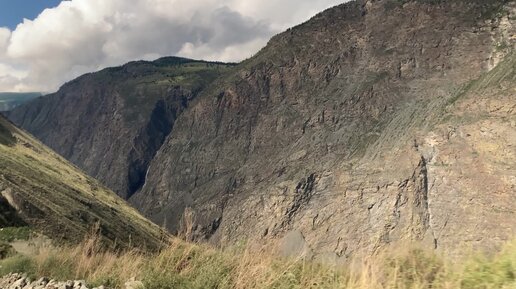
<point x="186" y="265"/>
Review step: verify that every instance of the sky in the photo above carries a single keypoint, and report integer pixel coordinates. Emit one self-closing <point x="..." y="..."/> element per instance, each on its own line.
<point x="12" y="12"/>
<point x="44" y="43"/>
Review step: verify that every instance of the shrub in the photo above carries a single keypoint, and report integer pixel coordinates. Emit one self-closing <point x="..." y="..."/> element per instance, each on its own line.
<point x="18" y="263"/>
<point x="6" y="250"/>
<point x="499" y="271"/>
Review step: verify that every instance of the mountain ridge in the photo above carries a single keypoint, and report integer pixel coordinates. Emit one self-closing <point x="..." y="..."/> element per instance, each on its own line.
<point x="261" y="101"/>
<point x="130" y="109"/>
<point x="344" y="135"/>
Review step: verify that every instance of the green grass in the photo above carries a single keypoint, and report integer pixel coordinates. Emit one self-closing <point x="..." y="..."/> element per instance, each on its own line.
<point x="501" y="46"/>
<point x="60" y="201"/>
<point x="141" y="93"/>
<point x="11" y="234"/>
<point x="467" y="88"/>
<point x="18" y="263"/>
<point x="504" y="72"/>
<point x="482" y="272"/>
<point x="183" y="265"/>
<point x="6" y="137"/>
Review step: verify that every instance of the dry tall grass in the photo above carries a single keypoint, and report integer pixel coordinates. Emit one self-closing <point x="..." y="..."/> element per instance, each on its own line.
<point x="186" y="265"/>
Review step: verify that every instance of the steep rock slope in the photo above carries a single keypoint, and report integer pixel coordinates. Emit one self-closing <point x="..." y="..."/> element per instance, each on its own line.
<point x="111" y="123"/>
<point x="375" y="122"/>
<point x="40" y="189"/>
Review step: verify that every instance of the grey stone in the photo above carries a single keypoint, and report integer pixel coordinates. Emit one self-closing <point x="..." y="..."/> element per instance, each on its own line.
<point x="19" y="284"/>
<point x="134" y="284"/>
<point x="293" y="245"/>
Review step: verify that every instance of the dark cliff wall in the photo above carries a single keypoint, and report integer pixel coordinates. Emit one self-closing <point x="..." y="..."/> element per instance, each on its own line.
<point x="111" y="123"/>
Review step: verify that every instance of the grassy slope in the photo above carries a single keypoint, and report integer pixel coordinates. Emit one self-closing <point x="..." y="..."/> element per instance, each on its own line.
<point x="58" y="200"/>
<point x="500" y="79"/>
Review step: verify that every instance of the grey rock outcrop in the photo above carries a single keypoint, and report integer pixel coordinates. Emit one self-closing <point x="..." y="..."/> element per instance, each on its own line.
<point x="20" y="281"/>
<point x="376" y="122"/>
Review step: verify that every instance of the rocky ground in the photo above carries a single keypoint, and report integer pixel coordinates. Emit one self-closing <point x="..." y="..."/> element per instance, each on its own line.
<point x="19" y="281"/>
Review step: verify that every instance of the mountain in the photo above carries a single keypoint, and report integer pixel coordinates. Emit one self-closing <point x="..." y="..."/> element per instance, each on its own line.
<point x="41" y="190"/>
<point x="111" y="123"/>
<point x="374" y="123"/>
<point x="10" y="100"/>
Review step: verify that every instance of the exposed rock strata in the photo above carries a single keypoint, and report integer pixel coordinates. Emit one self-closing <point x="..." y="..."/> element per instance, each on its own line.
<point x="111" y="123"/>
<point x="338" y="130"/>
<point x="374" y="123"/>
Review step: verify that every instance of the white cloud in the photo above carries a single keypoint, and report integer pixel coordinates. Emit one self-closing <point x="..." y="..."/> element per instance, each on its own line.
<point x="5" y="35"/>
<point x="80" y="36"/>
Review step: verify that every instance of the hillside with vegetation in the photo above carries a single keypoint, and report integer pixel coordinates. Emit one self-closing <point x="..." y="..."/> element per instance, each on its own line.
<point x="183" y="265"/>
<point x="43" y="193"/>
<point x="373" y="124"/>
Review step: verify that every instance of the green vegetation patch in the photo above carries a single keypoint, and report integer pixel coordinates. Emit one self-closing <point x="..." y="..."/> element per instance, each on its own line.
<point x="186" y="265"/>
<point x="6" y="250"/>
<point x="60" y="201"/>
<point x="6" y="136"/>
<point x="18" y="263"/>
<point x="505" y="71"/>
<point x="11" y="234"/>
<point x="496" y="272"/>
<point x="140" y="93"/>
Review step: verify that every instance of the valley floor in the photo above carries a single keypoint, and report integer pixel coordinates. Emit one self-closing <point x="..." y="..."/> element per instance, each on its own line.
<point x="185" y="265"/>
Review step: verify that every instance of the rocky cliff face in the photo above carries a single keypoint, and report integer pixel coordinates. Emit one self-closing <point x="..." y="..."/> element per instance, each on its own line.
<point x="376" y="122"/>
<point x="365" y="126"/>
<point x="111" y="123"/>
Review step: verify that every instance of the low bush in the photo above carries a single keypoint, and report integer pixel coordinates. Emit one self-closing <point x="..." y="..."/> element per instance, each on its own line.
<point x="6" y="250"/>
